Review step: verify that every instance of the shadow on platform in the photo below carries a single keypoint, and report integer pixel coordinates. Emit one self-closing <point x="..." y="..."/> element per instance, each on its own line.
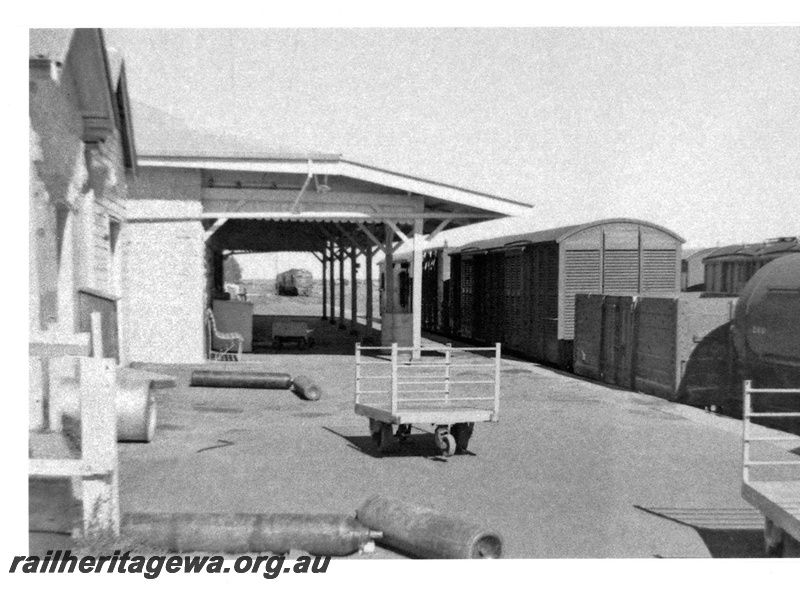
<point x="726" y="532"/>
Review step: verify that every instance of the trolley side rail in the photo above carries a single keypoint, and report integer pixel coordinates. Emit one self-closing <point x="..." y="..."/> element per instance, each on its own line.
<point x="443" y="380"/>
<point x="777" y="497"/>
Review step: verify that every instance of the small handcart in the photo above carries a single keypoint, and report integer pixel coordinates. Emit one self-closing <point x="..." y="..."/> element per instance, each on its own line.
<point x="292" y="331"/>
<point x="449" y="388"/>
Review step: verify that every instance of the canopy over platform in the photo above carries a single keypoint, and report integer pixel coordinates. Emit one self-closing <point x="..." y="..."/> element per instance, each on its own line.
<point x="188" y="206"/>
<point x="253" y="202"/>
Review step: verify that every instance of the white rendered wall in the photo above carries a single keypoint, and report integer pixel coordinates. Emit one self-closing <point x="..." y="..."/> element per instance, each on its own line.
<point x="165" y="290"/>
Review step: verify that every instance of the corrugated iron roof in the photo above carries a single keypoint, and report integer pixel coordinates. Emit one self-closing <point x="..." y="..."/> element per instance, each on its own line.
<point x="557" y="235"/>
<point x="769" y="248"/>
<point x="215" y="153"/>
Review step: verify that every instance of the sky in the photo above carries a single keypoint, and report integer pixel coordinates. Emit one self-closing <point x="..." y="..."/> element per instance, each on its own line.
<point x="693" y="128"/>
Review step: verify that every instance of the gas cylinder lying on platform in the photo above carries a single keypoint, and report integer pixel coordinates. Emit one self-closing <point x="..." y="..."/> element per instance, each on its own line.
<point x="303" y="386"/>
<point x="319" y="535"/>
<point x="426" y="533"/>
<point x="240" y="380"/>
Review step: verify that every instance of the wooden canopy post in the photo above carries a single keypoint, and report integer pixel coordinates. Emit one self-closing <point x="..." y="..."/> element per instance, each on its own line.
<point x="341" y="287"/>
<point x="332" y="272"/>
<point x="325" y="283"/>
<point x="387" y="337"/>
<point x="353" y="290"/>
<point x="368" y="278"/>
<point x="416" y="296"/>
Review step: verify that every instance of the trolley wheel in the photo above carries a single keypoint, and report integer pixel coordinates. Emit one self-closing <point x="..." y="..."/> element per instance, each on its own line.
<point x="403" y="431"/>
<point x="449" y="445"/>
<point x="387" y="439"/>
<point x="277" y="343"/>
<point x="462" y="432"/>
<point x="438" y="437"/>
<point x="774" y="539"/>
<point x="302" y="344"/>
<point x="375" y="431"/>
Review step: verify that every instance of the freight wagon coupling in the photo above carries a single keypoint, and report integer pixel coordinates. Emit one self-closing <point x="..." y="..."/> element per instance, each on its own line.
<point x="425" y="533"/>
<point x="448" y="388"/>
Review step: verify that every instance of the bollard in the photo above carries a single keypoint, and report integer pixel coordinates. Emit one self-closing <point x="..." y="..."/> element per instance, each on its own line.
<point x="426" y="533"/>
<point x="319" y="535"/>
<point x="241" y="380"/>
<point x="304" y="387"/>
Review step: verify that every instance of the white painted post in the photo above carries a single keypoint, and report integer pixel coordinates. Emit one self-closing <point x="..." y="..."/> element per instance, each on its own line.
<point x="368" y="262"/>
<point x="448" y="358"/>
<point x="325" y="283"/>
<point x="332" y="271"/>
<point x="95" y="320"/>
<point x="416" y="300"/>
<point x="99" y="446"/>
<point x="497" y="359"/>
<point x="394" y="378"/>
<point x="353" y="290"/>
<point x="747" y="409"/>
<point x="387" y="318"/>
<point x="358" y="371"/>
<point x="341" y="287"/>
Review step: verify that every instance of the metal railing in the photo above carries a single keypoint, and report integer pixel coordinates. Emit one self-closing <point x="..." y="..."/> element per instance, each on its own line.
<point x="747" y="430"/>
<point x="390" y="377"/>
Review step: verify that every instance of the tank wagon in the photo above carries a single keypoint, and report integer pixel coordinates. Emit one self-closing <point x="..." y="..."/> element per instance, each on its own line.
<point x="766" y="325"/>
<point x="520" y="289"/>
<point x="294" y="282"/>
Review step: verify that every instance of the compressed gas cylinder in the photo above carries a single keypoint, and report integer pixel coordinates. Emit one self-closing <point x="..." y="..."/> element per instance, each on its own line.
<point x="319" y="535"/>
<point x="426" y="533"/>
<point x="135" y="405"/>
<point x="304" y="387"/>
<point x="240" y="380"/>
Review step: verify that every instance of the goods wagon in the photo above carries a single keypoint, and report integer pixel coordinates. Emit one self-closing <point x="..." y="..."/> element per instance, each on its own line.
<point x="294" y="282"/>
<point x="520" y="289"/>
<point x="674" y="347"/>
<point x="727" y="269"/>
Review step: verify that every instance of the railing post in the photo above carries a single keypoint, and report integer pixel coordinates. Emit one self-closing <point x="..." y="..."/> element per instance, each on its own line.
<point x="746" y="411"/>
<point x="496" y="379"/>
<point x="394" y="378"/>
<point x="448" y="359"/>
<point x="358" y="370"/>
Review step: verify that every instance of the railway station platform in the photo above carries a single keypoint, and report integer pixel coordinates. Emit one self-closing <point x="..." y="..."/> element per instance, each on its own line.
<point x="573" y="469"/>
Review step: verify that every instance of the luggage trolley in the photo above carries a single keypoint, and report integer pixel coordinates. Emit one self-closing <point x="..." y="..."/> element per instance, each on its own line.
<point x="450" y="388"/>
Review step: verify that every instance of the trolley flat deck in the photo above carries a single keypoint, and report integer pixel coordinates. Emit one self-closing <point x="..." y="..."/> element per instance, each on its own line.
<point x="445" y="415"/>
<point x="779" y="501"/>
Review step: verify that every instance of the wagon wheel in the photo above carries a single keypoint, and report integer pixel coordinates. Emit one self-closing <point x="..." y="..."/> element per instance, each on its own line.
<point x="387" y="438"/>
<point x="462" y="432"/>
